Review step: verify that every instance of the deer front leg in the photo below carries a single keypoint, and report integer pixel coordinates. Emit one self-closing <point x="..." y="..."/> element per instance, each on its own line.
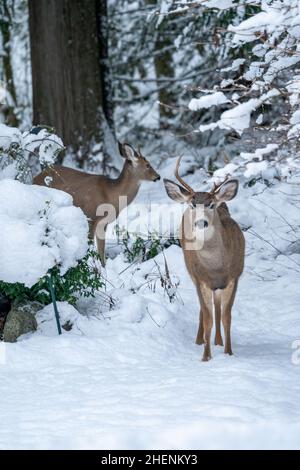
<point x="228" y="296"/>
<point x="99" y="229"/>
<point x="207" y="311"/>
<point x="217" y="303"/>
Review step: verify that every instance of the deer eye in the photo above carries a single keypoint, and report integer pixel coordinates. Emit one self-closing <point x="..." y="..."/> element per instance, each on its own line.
<point x="147" y="165"/>
<point x="212" y="205"/>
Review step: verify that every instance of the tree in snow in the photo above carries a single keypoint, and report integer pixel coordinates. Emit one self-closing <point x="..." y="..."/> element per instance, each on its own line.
<point x="15" y="71"/>
<point x="71" y="85"/>
<point x="265" y="77"/>
<point x="158" y="57"/>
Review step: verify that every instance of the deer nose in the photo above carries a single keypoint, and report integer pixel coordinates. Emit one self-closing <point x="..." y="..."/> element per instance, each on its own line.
<point x="202" y="223"/>
<point x="157" y="178"/>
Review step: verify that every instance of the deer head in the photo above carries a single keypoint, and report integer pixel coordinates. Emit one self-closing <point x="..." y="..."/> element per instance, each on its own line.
<point x="205" y="204"/>
<point x="137" y="164"/>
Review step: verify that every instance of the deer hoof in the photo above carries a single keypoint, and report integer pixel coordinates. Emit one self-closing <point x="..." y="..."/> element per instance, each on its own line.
<point x="199" y="341"/>
<point x="229" y="352"/>
<point x="219" y="341"/>
<point x="206" y="357"/>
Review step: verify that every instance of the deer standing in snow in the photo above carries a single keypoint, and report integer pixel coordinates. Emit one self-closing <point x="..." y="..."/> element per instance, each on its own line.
<point x="90" y="191"/>
<point x="214" y="248"/>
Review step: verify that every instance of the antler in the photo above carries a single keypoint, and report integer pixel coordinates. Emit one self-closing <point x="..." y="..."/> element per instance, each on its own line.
<point x="185" y="185"/>
<point x="217" y="186"/>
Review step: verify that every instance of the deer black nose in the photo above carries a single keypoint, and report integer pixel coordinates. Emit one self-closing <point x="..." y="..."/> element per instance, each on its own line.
<point x="157" y="178"/>
<point x="202" y="223"/>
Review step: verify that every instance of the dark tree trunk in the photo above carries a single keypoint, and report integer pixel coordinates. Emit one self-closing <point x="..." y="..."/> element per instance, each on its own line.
<point x="5" y="25"/>
<point x="67" y="73"/>
<point x="102" y="21"/>
<point x="164" y="68"/>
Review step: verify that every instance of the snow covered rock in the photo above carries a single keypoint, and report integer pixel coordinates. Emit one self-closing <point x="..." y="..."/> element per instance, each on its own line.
<point x="20" y="320"/>
<point x="40" y="229"/>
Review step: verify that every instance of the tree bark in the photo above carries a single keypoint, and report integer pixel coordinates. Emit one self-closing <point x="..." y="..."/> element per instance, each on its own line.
<point x="67" y="73"/>
<point x="102" y="22"/>
<point x="5" y="25"/>
<point x="164" y="68"/>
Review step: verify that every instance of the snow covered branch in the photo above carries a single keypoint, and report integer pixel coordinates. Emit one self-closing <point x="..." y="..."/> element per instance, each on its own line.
<point x="260" y="79"/>
<point x="17" y="147"/>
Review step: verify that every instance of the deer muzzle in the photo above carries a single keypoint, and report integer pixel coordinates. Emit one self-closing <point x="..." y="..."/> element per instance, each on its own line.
<point x="201" y="224"/>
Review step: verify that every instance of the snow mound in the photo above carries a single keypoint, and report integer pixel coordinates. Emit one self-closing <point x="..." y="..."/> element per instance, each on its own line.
<point x="207" y="101"/>
<point x="68" y="315"/>
<point x="40" y="228"/>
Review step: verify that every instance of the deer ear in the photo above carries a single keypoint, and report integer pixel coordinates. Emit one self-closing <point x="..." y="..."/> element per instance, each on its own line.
<point x="227" y="191"/>
<point x="120" y="147"/>
<point x="129" y="153"/>
<point x="176" y="192"/>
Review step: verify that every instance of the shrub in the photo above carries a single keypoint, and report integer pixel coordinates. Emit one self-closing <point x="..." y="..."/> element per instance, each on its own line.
<point x="83" y="279"/>
<point x="136" y="248"/>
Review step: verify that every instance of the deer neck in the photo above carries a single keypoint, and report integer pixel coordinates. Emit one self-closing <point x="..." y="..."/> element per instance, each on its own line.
<point x="126" y="185"/>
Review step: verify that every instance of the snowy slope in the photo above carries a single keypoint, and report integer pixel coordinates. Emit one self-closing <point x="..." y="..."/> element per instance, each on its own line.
<point x="132" y="377"/>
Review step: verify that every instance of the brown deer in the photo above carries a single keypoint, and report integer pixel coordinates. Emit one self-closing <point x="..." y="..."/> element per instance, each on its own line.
<point x="214" y="248"/>
<point x="90" y="191"/>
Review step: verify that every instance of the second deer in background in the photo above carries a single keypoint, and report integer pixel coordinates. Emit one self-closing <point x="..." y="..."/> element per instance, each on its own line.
<point x="90" y="191"/>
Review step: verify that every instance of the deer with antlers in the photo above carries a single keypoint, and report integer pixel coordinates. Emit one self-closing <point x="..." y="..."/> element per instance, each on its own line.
<point x="214" y="248"/>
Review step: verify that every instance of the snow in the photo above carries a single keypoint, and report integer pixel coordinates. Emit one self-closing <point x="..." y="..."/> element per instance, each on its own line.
<point x="272" y="32"/>
<point x="238" y="118"/>
<point x="132" y="377"/>
<point x="8" y="136"/>
<point x="255" y="168"/>
<point x="127" y="375"/>
<point x="260" y="152"/>
<point x="17" y="146"/>
<point x="228" y="169"/>
<point x="220" y="4"/>
<point x="47" y="143"/>
<point x="44" y="221"/>
<point x="264" y="20"/>
<point x="234" y="66"/>
<point x="207" y="101"/>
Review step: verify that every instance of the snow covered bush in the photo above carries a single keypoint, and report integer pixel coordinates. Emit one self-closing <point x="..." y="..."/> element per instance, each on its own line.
<point x="42" y="232"/>
<point x="266" y="77"/>
<point x="80" y="280"/>
<point x="40" y="229"/>
<point x="18" y="149"/>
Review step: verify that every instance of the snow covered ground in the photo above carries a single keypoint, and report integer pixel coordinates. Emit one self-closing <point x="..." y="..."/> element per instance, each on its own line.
<point x="132" y="377"/>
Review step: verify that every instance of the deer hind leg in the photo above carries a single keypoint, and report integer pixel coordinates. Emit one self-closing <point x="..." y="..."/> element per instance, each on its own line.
<point x="228" y="295"/>
<point x="217" y="303"/>
<point x="200" y="334"/>
<point x="207" y="311"/>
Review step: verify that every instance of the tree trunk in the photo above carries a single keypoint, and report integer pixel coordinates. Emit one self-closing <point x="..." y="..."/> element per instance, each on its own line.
<point x="164" y="68"/>
<point x="102" y="21"/>
<point x="67" y="73"/>
<point x="5" y="25"/>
